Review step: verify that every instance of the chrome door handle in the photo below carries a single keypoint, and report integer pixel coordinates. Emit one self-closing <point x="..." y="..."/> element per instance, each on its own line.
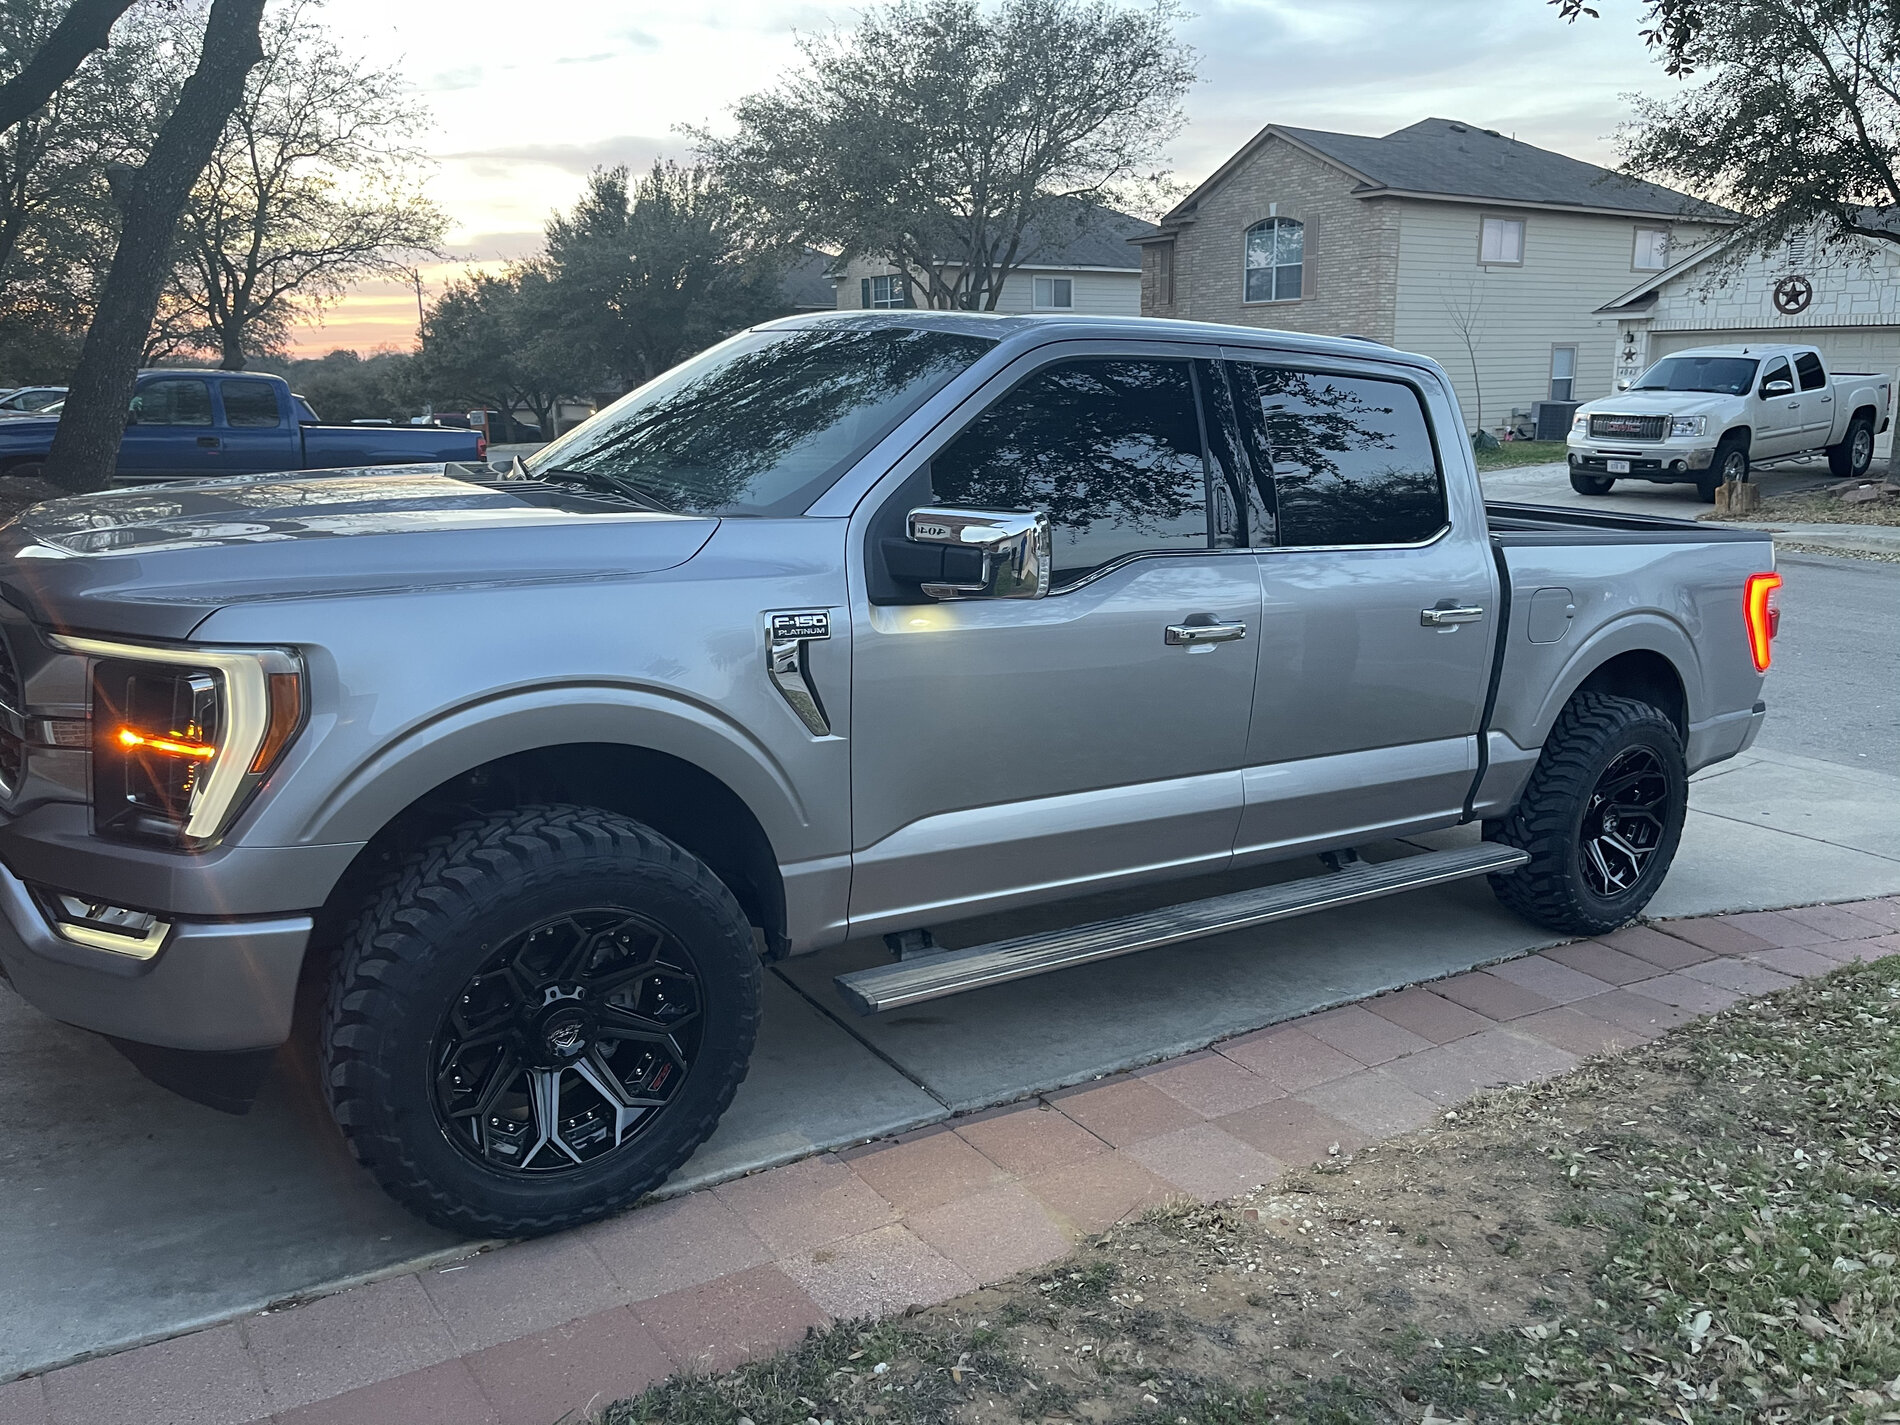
<point x="1826" y="399"/>
<point x="1177" y="634"/>
<point x="1440" y="618"/>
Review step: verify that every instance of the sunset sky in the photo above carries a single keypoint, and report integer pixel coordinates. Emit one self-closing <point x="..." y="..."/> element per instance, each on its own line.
<point x="528" y="99"/>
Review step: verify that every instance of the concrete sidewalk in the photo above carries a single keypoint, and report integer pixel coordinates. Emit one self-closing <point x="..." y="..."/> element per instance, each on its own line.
<point x="521" y="1334"/>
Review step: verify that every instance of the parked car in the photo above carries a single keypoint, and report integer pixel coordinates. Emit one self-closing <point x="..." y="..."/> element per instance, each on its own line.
<point x="1704" y="416"/>
<point x="189" y="424"/>
<point x="853" y="625"/>
<point x="29" y="400"/>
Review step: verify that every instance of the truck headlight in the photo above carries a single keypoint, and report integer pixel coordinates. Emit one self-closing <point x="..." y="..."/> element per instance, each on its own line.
<point x="181" y="737"/>
<point x="1688" y="425"/>
<point x="1579" y="424"/>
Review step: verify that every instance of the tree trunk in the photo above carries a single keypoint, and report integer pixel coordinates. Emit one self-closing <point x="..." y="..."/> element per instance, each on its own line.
<point x="86" y="442"/>
<point x="233" y="353"/>
<point x="85" y="27"/>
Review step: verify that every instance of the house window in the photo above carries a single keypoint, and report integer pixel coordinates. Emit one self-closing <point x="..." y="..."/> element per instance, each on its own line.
<point x="1501" y="241"/>
<point x="1652" y="250"/>
<point x="1563" y="373"/>
<point x="1164" y="273"/>
<point x="892" y="291"/>
<point x="1054" y="294"/>
<point x="1276" y="260"/>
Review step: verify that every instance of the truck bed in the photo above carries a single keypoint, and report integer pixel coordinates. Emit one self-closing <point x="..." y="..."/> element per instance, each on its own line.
<point x="1519" y="526"/>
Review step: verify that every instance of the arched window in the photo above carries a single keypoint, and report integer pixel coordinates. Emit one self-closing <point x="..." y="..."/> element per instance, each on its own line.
<point x="1276" y="258"/>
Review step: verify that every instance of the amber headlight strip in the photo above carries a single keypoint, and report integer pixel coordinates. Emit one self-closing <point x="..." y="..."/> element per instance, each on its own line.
<point x="182" y="736"/>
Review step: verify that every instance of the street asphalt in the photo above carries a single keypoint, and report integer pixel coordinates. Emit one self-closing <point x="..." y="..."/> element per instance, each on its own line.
<point x="133" y="1215"/>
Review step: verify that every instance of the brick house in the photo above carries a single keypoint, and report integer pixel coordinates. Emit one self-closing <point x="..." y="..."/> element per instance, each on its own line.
<point x="1437" y="233"/>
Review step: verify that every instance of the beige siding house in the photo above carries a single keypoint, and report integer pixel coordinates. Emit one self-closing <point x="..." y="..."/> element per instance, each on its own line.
<point x="1484" y="253"/>
<point x="1842" y="297"/>
<point x="1086" y="267"/>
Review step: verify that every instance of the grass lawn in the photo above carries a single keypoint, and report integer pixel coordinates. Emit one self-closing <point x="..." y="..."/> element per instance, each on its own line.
<point x="1705" y="1229"/>
<point x="1520" y="452"/>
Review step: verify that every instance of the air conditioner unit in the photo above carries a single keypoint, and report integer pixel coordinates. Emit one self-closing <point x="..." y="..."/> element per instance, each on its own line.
<point x="1552" y="418"/>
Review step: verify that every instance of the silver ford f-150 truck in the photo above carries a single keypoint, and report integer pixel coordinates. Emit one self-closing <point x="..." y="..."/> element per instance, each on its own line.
<point x="853" y="625"/>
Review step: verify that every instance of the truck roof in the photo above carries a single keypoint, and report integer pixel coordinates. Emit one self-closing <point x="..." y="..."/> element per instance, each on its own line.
<point x="1047" y="326"/>
<point x="1753" y="348"/>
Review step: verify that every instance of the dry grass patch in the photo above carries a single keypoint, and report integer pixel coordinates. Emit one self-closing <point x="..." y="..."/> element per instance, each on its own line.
<point x="1704" y="1230"/>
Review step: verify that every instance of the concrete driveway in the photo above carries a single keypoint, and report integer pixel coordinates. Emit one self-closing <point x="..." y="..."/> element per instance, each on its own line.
<point x="132" y="1215"/>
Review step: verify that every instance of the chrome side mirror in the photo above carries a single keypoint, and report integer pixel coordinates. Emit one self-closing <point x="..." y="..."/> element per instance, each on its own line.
<point x="1778" y="388"/>
<point x="1015" y="548"/>
<point x="1623" y="384"/>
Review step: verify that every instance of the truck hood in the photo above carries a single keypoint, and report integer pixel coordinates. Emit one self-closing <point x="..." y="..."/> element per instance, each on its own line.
<point x="1661" y="403"/>
<point x="157" y="560"/>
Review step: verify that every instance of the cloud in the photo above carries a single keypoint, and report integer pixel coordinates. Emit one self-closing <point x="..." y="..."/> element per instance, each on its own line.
<point x="634" y="150"/>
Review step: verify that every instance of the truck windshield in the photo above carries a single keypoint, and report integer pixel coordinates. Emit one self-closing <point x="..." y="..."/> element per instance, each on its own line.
<point x="761" y="424"/>
<point x="1723" y="375"/>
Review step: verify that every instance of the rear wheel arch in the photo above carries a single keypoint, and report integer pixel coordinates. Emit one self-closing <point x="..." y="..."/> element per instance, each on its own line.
<point x="1648" y="658"/>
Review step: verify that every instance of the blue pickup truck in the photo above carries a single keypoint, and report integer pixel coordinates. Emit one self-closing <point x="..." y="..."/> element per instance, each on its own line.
<point x="187" y="425"/>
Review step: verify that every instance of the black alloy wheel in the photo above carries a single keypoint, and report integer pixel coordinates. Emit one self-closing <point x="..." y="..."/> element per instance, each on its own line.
<point x="1624" y="823"/>
<point x="568" y="1042"/>
<point x="1600" y="817"/>
<point x="536" y="1016"/>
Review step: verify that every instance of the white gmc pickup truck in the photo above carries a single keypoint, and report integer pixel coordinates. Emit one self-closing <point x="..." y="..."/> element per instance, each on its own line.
<point x="1705" y="415"/>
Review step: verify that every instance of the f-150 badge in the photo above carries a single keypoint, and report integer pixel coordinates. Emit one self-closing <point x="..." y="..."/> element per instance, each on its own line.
<point x="790" y="670"/>
<point x="802" y="625"/>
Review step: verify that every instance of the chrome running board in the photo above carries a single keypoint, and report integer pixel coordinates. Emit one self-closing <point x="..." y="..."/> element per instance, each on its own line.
<point x="928" y="977"/>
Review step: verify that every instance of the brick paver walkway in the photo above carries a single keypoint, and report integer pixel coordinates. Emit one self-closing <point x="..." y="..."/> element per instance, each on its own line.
<point x="521" y="1334"/>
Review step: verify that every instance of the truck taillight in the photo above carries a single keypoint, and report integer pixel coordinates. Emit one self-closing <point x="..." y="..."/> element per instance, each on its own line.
<point x="481" y="447"/>
<point x="1761" y="608"/>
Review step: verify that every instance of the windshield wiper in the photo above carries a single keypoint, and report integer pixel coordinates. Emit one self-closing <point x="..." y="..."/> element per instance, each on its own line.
<point x="601" y="480"/>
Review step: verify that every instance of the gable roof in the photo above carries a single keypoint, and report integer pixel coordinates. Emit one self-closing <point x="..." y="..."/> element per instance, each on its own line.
<point x="1085" y="236"/>
<point x="807" y="284"/>
<point x="1643" y="294"/>
<point x="1452" y="161"/>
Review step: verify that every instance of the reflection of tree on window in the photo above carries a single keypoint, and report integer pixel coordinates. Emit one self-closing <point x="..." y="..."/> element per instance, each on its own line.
<point x="1111" y="449"/>
<point x="761" y="425"/>
<point x="1276" y="260"/>
<point x="172" y="403"/>
<point x="1351" y="458"/>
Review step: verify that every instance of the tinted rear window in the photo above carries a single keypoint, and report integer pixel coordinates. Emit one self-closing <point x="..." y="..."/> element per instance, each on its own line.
<point x="1349" y="458"/>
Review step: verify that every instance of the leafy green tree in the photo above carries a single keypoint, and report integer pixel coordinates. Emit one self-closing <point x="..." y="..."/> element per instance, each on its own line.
<point x="494" y="340"/>
<point x="645" y="273"/>
<point x="942" y="136"/>
<point x="57" y="220"/>
<point x="1793" y="118"/>
<point x="54" y="55"/>
<point x="343" y="385"/>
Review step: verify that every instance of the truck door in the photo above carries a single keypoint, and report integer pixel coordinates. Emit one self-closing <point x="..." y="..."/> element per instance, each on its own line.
<point x="1817" y="400"/>
<point x="171" y="431"/>
<point x="1778" y="427"/>
<point x="1012" y="750"/>
<point x="258" y="434"/>
<point x="1379" y="615"/>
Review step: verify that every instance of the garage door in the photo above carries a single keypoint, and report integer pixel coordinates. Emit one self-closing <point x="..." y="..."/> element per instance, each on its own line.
<point x="1842" y="348"/>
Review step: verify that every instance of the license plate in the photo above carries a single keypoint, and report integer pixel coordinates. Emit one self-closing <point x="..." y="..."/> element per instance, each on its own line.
<point x="1619" y="467"/>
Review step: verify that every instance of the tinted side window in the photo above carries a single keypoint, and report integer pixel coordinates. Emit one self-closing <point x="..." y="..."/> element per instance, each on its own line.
<point x="176" y="402"/>
<point x="1350" y="457"/>
<point x="250" y="403"/>
<point x="1777" y="371"/>
<point x="1813" y="378"/>
<point x="1111" y="448"/>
